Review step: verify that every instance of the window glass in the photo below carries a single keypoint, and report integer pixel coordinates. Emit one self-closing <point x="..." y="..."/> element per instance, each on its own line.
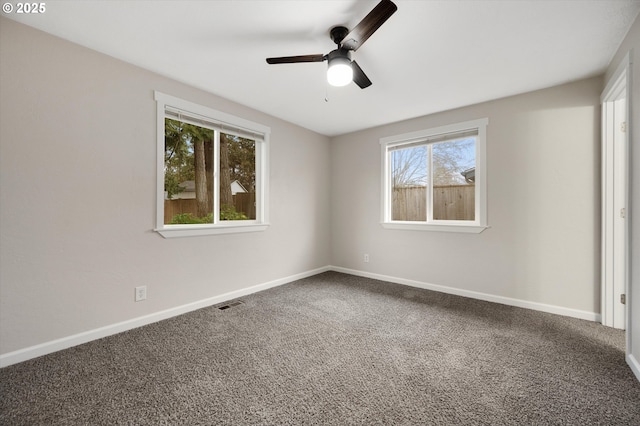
<point x="237" y="178"/>
<point x="409" y="183"/>
<point x="188" y="173"/>
<point x="453" y="194"/>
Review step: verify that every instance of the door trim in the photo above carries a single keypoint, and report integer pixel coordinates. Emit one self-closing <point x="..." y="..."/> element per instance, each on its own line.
<point x="617" y="88"/>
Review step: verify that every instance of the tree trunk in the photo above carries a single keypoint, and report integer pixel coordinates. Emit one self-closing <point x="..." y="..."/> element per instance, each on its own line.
<point x="208" y="162"/>
<point x="226" y="198"/>
<point x="202" y="197"/>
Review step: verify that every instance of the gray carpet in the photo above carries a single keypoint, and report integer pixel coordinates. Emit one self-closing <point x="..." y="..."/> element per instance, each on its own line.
<point x="336" y="349"/>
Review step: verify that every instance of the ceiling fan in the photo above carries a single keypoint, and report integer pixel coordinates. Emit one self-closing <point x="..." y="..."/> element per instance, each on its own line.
<point x="342" y="70"/>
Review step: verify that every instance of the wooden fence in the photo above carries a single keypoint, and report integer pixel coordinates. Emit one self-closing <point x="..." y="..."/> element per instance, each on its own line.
<point x="456" y="202"/>
<point x="243" y="202"/>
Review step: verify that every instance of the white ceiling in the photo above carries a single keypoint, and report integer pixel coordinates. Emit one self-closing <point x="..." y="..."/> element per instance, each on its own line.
<point x="429" y="56"/>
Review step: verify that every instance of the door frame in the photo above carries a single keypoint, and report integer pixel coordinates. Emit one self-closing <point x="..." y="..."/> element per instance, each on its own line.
<point x="615" y="195"/>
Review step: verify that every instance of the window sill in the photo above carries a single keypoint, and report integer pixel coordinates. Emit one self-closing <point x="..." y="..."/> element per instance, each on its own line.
<point x="176" y="231"/>
<point x="416" y="226"/>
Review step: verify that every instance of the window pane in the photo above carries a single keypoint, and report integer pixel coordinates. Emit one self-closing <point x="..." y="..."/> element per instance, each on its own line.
<point x="237" y="178"/>
<point x="454" y="165"/>
<point x="409" y="184"/>
<point x="188" y="173"/>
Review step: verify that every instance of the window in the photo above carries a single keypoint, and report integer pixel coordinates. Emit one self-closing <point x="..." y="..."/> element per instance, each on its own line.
<point x="436" y="179"/>
<point x="211" y="171"/>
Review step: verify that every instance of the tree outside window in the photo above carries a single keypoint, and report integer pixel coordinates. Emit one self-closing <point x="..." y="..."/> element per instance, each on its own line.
<point x="190" y="163"/>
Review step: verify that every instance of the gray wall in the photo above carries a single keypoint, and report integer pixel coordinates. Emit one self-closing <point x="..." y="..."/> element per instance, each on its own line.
<point x="543" y="155"/>
<point x="632" y="43"/>
<point x="78" y="174"/>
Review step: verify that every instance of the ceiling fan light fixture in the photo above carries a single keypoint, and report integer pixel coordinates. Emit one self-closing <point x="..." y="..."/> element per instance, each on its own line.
<point x="340" y="72"/>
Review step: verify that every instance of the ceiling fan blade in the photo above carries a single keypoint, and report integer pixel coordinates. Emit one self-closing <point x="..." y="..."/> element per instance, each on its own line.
<point x="361" y="32"/>
<point x="359" y="77"/>
<point x="296" y="59"/>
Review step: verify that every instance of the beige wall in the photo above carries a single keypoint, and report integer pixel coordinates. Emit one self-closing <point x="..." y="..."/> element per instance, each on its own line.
<point x="543" y="203"/>
<point x="632" y="44"/>
<point x="77" y="197"/>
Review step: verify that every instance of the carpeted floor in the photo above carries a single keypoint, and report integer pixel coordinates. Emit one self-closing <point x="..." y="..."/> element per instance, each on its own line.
<point x="336" y="349"/>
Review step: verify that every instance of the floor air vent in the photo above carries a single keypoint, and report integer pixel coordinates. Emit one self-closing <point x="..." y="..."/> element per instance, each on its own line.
<point x="230" y="305"/>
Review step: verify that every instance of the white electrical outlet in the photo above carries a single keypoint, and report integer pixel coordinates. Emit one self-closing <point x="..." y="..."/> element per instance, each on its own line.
<point x="141" y="293"/>
<point x="366" y="258"/>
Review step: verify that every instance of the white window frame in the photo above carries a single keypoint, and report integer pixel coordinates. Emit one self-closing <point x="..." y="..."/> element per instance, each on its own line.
<point x="219" y="121"/>
<point x="471" y="226"/>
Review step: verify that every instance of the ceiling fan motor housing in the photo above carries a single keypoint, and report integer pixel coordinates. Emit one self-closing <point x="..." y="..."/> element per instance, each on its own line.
<point x="338" y="34"/>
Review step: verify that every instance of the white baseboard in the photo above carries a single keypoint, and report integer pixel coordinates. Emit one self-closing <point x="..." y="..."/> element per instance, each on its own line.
<point x="634" y="365"/>
<point x="559" y="310"/>
<point x="98" y="333"/>
<point x="87" y="336"/>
